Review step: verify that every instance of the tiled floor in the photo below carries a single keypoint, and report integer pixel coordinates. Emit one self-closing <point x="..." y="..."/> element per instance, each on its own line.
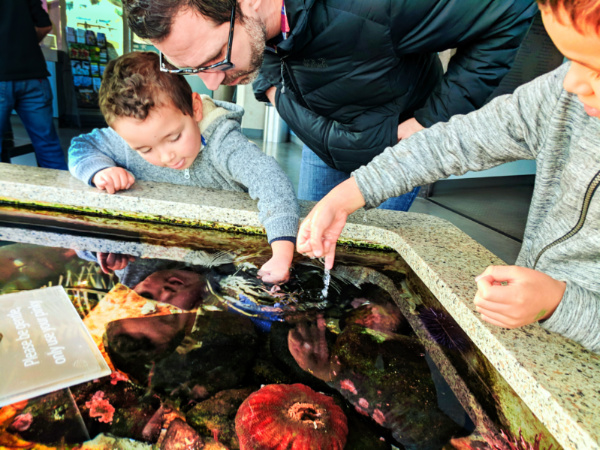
<point x="288" y="155"/>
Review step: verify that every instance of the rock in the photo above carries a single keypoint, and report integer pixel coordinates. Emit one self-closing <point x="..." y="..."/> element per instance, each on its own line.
<point x="180" y="436"/>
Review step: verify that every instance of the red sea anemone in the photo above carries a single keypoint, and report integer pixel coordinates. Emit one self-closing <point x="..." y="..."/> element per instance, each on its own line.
<point x="290" y="417"/>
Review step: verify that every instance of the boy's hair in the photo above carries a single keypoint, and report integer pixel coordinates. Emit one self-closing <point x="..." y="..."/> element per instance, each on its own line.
<point x="133" y="84"/>
<point x="580" y="11"/>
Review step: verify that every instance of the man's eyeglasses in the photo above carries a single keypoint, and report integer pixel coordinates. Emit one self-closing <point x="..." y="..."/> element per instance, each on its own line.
<point x="226" y="64"/>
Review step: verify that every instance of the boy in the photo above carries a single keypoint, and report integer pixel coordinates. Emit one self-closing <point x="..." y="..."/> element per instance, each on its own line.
<point x="160" y="131"/>
<point x="555" y="120"/>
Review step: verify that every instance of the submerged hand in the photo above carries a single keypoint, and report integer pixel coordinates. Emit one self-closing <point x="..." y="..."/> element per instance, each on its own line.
<point x="113" y="179"/>
<point x="322" y="227"/>
<point x="274" y="272"/>
<point x="109" y="262"/>
<point x="408" y="128"/>
<point x="277" y="269"/>
<point x="308" y="346"/>
<point x="513" y="296"/>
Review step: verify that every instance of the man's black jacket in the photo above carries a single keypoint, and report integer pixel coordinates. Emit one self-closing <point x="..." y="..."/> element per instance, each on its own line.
<point x="351" y="71"/>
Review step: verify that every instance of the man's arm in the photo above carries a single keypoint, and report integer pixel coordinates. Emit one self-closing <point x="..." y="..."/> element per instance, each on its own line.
<point x="367" y="136"/>
<point x="41" y="20"/>
<point x="42" y="32"/>
<point x="487" y="35"/>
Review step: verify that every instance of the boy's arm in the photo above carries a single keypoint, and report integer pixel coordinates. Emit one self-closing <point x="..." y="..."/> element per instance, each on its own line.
<point x="93" y="152"/>
<point x="510" y="128"/>
<point x="513" y="296"/>
<point x="265" y="181"/>
<point x="577" y="316"/>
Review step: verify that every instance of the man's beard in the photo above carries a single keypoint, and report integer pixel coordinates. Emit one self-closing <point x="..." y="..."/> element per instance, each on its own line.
<point x="258" y="37"/>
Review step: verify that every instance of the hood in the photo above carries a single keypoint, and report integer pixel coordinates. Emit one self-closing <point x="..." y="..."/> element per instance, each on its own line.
<point x="215" y="111"/>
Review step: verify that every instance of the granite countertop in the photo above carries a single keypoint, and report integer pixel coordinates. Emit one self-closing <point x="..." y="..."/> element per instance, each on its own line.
<point x="556" y="378"/>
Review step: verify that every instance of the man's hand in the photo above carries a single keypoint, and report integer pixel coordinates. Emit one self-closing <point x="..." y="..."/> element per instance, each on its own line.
<point x="109" y="262"/>
<point x="277" y="269"/>
<point x="513" y="296"/>
<point x="322" y="227"/>
<point x="408" y="128"/>
<point x="271" y="94"/>
<point x="113" y="179"/>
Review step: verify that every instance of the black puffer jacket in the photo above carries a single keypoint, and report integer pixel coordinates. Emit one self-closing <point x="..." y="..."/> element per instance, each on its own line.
<point x="353" y="70"/>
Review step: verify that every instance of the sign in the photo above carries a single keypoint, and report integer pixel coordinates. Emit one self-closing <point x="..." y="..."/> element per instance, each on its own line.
<point x="44" y="345"/>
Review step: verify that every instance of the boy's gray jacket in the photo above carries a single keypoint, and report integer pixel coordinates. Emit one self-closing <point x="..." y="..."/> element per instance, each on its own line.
<point x="228" y="161"/>
<point x="351" y="71"/>
<point x="540" y="121"/>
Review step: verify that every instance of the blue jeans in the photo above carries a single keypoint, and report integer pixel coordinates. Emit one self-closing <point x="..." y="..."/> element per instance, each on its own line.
<point x="317" y="179"/>
<point x="32" y="99"/>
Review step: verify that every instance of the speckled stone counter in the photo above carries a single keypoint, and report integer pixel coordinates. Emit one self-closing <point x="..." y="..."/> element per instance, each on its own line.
<point x="555" y="377"/>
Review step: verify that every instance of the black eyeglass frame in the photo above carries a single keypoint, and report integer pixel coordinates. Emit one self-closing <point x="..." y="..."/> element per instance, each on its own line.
<point x="226" y="64"/>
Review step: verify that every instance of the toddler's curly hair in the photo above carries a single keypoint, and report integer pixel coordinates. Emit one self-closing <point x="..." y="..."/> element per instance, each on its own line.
<point x="133" y="84"/>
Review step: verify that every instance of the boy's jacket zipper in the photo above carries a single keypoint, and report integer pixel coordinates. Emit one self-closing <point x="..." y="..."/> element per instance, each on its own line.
<point x="591" y="190"/>
<point x="186" y="174"/>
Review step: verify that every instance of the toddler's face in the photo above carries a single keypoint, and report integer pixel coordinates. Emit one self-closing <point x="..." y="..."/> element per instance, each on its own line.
<point x="167" y="138"/>
<point x="583" y="49"/>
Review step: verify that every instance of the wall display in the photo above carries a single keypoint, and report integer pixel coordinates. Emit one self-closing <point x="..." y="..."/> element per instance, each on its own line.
<point x="88" y="62"/>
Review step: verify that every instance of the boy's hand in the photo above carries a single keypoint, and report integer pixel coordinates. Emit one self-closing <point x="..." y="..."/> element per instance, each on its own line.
<point x="109" y="262"/>
<point x="113" y="179"/>
<point x="277" y="269"/>
<point x="322" y="227"/>
<point x="513" y="296"/>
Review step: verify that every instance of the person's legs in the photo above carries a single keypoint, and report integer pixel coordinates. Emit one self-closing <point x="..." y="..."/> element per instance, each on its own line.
<point x="316" y="178"/>
<point x="401" y="203"/>
<point x="34" y="106"/>
<point x="6" y="106"/>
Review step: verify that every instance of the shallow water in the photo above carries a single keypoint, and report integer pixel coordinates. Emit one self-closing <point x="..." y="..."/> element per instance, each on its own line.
<point x="196" y="333"/>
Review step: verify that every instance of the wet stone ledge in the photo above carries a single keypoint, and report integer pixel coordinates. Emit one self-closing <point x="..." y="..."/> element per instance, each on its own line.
<point x="555" y="377"/>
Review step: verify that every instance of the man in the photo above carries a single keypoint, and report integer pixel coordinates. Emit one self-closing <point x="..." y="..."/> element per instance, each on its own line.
<point x="24" y="84"/>
<point x="349" y="77"/>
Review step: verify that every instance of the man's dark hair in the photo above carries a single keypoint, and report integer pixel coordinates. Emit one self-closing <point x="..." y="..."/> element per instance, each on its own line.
<point x="152" y="19"/>
<point x="581" y="12"/>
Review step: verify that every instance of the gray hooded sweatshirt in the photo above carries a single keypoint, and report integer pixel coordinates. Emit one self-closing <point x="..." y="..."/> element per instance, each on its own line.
<point x="540" y="121"/>
<point x="227" y="161"/>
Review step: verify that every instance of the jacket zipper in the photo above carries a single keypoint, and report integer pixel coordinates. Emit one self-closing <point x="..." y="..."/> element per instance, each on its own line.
<point x="591" y="190"/>
<point x="295" y="88"/>
<point x="186" y="174"/>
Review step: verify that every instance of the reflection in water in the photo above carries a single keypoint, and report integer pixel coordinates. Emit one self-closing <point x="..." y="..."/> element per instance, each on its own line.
<point x="189" y="343"/>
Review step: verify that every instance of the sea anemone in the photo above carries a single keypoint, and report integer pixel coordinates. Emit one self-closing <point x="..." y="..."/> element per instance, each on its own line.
<point x="290" y="417"/>
<point x="100" y="408"/>
<point x="443" y="329"/>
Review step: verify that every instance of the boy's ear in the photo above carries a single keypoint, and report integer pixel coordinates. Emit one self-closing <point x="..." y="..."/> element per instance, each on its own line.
<point x="197" y="106"/>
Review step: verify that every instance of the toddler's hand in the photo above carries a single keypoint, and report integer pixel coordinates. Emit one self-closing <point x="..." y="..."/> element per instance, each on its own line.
<point x="113" y="179"/>
<point x="109" y="262"/>
<point x="513" y="296"/>
<point x="275" y="271"/>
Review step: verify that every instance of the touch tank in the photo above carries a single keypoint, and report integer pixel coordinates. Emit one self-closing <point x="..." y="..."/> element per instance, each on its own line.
<point x="204" y="355"/>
